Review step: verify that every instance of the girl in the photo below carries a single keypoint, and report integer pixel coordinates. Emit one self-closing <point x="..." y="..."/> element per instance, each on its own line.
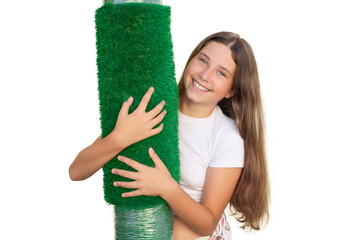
<point x="221" y="142"/>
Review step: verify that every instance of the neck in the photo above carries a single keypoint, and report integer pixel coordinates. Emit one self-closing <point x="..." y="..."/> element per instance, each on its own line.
<point x="194" y="110"/>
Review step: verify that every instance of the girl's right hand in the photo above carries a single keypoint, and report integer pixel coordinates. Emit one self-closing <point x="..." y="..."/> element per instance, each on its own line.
<point x="134" y="127"/>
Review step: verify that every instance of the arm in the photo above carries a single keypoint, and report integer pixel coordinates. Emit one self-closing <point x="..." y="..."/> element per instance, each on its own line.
<point x="181" y="231"/>
<point x="129" y="129"/>
<point x="201" y="218"/>
<point x="94" y="157"/>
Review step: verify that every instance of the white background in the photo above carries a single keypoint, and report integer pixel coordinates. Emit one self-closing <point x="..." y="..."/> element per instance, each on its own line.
<point x="307" y="54"/>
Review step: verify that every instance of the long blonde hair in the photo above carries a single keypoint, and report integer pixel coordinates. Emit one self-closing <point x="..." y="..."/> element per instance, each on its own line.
<point x="250" y="198"/>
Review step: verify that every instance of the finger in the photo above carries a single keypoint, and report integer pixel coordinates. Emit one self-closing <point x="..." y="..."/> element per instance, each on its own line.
<point x="132" y="194"/>
<point x="158" y="119"/>
<point x="145" y="99"/>
<point x="132" y="184"/>
<point x="135" y="165"/>
<point x="156" y="160"/>
<point x="155" y="111"/>
<point x="126" y="106"/>
<point x="125" y="174"/>
<point x="156" y="130"/>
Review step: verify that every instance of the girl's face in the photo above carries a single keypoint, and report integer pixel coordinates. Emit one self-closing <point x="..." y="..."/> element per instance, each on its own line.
<point x="209" y="76"/>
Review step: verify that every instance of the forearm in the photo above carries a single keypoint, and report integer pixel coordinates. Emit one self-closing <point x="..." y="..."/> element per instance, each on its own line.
<point x="94" y="157"/>
<point x="195" y="215"/>
<point x="201" y="218"/>
<point x="182" y="231"/>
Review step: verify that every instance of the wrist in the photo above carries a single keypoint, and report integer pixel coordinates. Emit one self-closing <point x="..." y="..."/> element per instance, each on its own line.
<point x="117" y="141"/>
<point x="172" y="187"/>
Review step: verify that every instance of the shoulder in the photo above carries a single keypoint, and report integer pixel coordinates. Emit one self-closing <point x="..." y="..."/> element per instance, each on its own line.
<point x="225" y="127"/>
<point x="228" y="145"/>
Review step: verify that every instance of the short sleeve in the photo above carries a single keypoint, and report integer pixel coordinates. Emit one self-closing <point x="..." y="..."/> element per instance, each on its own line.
<point x="228" y="152"/>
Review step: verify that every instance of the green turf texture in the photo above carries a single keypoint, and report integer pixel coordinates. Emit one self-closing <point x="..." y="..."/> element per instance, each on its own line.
<point x="135" y="52"/>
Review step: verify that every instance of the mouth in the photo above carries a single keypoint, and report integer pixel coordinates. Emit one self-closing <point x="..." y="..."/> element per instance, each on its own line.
<point x="199" y="87"/>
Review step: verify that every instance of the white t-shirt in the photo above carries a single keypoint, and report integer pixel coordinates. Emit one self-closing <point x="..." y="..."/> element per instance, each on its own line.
<point x="213" y="141"/>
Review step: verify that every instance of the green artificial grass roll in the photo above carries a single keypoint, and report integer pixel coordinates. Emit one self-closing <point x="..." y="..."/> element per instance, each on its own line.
<point x="134" y="53"/>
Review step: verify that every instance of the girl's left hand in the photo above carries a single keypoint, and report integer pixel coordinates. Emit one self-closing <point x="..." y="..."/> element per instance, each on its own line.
<point x="150" y="181"/>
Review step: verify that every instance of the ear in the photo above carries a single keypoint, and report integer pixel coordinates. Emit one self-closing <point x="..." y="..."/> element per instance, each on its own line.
<point x="229" y="94"/>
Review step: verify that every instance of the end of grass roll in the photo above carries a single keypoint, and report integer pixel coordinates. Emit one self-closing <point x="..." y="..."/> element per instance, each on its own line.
<point x="134" y="53"/>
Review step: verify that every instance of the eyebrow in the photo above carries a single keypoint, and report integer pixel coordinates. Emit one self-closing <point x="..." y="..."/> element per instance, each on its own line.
<point x="206" y="56"/>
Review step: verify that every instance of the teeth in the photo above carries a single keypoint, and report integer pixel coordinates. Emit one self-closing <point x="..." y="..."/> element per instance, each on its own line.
<point x="200" y="87"/>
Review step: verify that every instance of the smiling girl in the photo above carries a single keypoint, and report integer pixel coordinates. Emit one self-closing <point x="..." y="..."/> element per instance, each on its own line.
<point x="221" y="143"/>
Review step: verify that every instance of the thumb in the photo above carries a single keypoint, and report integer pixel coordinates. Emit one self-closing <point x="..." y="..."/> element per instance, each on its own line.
<point x="126" y="106"/>
<point x="156" y="160"/>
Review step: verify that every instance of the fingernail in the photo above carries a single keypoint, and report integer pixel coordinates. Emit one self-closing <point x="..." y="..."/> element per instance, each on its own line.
<point x="129" y="99"/>
<point x="119" y="158"/>
<point x="164" y="102"/>
<point x="152" y="88"/>
<point x="113" y="171"/>
<point x="151" y="150"/>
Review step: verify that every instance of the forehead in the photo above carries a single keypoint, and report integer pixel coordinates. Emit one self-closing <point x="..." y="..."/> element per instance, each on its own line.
<point x="220" y="55"/>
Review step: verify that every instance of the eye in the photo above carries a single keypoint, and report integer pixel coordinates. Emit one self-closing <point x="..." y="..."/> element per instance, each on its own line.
<point x="222" y="74"/>
<point x="202" y="60"/>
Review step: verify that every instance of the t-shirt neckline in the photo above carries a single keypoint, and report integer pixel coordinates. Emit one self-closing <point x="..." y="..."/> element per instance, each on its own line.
<point x="188" y="118"/>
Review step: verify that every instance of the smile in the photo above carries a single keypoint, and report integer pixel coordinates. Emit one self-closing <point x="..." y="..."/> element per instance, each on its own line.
<point x="198" y="86"/>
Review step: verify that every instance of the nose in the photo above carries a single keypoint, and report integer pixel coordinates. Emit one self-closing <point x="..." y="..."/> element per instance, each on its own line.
<point x="205" y="74"/>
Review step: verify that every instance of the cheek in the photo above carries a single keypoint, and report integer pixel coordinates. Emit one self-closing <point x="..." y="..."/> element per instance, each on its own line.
<point x="223" y="86"/>
<point x="229" y="84"/>
<point x="193" y="68"/>
<point x="189" y="73"/>
<point x="186" y="77"/>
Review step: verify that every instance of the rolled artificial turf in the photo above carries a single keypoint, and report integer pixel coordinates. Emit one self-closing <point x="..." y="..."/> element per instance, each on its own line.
<point x="134" y="53"/>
